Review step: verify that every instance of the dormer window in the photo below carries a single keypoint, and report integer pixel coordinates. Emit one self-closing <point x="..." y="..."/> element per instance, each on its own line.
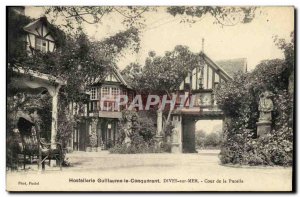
<point x="40" y="44"/>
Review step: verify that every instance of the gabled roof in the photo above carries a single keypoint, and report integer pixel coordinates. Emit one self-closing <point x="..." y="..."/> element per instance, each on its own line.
<point x="232" y="66"/>
<point x="222" y="72"/>
<point x="32" y="24"/>
<point x="117" y="73"/>
<point x="31" y="27"/>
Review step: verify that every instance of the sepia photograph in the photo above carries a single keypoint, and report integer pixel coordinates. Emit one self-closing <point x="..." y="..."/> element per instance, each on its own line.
<point x="150" y="98"/>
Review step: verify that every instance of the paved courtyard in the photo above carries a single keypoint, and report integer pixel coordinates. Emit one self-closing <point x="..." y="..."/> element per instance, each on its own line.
<point x="152" y="172"/>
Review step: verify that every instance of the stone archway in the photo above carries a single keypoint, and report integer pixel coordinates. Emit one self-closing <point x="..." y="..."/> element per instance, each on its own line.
<point x="183" y="134"/>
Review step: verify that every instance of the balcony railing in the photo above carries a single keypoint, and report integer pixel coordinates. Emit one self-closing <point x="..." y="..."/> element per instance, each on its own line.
<point x="98" y="105"/>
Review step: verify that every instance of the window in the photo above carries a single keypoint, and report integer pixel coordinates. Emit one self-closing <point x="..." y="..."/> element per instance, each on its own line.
<point x="94" y="93"/>
<point x="40" y="44"/>
<point x="115" y="92"/>
<point x="104" y="91"/>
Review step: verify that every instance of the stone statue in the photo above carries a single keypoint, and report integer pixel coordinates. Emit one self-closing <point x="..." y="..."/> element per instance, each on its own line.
<point x="265" y="106"/>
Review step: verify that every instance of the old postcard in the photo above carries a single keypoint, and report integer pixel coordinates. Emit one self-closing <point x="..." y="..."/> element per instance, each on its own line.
<point x="137" y="98"/>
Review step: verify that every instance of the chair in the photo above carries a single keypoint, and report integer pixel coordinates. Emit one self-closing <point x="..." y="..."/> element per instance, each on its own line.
<point x="49" y="153"/>
<point x="32" y="145"/>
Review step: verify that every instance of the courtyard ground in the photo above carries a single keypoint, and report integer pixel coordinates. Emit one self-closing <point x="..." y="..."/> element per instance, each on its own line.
<point x="101" y="171"/>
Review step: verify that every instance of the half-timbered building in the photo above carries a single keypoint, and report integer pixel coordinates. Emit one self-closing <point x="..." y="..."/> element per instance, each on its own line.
<point x="101" y="113"/>
<point x="38" y="36"/>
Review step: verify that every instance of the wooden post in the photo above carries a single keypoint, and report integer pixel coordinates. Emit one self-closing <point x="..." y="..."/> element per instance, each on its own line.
<point x="159" y="123"/>
<point x="159" y="131"/>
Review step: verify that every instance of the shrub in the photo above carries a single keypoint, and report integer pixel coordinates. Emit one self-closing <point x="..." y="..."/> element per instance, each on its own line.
<point x="212" y="140"/>
<point x="142" y="135"/>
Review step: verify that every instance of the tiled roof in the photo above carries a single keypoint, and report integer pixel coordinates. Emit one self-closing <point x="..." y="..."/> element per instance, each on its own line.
<point x="232" y="66"/>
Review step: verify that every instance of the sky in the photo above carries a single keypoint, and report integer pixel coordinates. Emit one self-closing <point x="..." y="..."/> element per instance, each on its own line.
<point x="163" y="32"/>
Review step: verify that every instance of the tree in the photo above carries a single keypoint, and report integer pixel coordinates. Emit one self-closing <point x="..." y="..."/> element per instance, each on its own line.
<point x="200" y="138"/>
<point x="288" y="49"/>
<point x="162" y="75"/>
<point x="133" y="74"/>
<point x="212" y="140"/>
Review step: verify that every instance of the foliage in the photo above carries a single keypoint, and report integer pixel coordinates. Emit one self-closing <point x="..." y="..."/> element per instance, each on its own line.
<point x="134" y="16"/>
<point x="66" y="121"/>
<point x="225" y="16"/>
<point x="206" y="141"/>
<point x="15" y="36"/>
<point x="165" y="73"/>
<point x="142" y="134"/>
<point x="145" y="126"/>
<point x="199" y="138"/>
<point x="93" y="139"/>
<point x="239" y="100"/>
<point x="288" y="47"/>
<point x="76" y="16"/>
<point x="212" y="140"/>
<point x="132" y="74"/>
